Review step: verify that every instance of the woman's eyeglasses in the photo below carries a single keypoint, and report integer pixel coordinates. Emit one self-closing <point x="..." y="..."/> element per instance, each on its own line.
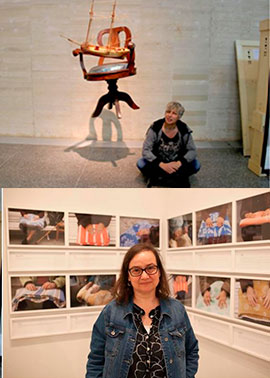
<point x="150" y="270"/>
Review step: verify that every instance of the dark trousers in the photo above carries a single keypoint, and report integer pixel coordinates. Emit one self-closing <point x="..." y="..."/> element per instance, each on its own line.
<point x="178" y="179"/>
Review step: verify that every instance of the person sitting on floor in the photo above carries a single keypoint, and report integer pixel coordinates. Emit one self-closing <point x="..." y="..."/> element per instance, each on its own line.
<point x="169" y="153"/>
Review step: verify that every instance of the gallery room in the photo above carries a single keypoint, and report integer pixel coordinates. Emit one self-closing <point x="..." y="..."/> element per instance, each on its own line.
<point x="72" y="109"/>
<point x="212" y="242"/>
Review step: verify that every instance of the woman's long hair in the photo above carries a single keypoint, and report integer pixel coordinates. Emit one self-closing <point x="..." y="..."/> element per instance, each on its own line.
<point x="123" y="290"/>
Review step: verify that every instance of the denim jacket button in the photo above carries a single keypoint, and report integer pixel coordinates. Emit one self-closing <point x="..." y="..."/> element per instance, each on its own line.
<point x="112" y="333"/>
<point x="166" y="339"/>
<point x="171" y="361"/>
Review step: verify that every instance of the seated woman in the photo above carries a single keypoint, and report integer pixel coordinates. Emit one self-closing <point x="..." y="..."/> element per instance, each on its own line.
<point x="169" y="152"/>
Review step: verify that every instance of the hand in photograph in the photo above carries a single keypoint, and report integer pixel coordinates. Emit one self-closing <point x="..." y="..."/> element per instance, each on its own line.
<point x="266" y="300"/>
<point x="46" y="286"/>
<point x="222" y="299"/>
<point x="49" y="285"/>
<point x="30" y="286"/>
<point x="207" y="298"/>
<point x="209" y="222"/>
<point x="220" y="221"/>
<point x="251" y="296"/>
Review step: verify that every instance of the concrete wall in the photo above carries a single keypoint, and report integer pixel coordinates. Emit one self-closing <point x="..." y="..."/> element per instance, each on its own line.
<point x="65" y="355"/>
<point x="184" y="52"/>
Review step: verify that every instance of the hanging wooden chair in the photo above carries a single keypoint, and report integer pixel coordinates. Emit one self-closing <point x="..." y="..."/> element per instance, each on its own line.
<point x="111" y="72"/>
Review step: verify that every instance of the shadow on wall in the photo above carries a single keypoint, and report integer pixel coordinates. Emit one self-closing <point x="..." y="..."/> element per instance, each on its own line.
<point x="92" y="149"/>
<point x="109" y="120"/>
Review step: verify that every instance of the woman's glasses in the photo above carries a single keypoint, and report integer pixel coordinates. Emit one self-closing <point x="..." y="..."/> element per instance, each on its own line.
<point x="150" y="270"/>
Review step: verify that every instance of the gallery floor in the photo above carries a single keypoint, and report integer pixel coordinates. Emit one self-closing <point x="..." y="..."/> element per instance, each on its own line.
<point x="113" y="164"/>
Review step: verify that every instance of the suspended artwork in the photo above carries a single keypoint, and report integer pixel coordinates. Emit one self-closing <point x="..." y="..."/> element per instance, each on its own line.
<point x="111" y="72"/>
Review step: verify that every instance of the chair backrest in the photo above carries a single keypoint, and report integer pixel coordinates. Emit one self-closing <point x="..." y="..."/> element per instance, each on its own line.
<point x="113" y="38"/>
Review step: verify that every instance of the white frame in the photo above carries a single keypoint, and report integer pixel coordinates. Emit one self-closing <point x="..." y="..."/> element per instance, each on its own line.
<point x="24" y="260"/>
<point x="232" y="226"/>
<point x="9" y="244"/>
<point x="233" y="260"/>
<point x="236" y="216"/>
<point x="89" y="246"/>
<point x="167" y="231"/>
<point x="138" y="217"/>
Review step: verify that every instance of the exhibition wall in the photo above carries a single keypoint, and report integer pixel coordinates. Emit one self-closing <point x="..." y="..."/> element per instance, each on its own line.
<point x="57" y="339"/>
<point x="184" y="52"/>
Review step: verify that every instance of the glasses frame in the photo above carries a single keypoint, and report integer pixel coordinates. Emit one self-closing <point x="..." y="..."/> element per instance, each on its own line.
<point x="144" y="270"/>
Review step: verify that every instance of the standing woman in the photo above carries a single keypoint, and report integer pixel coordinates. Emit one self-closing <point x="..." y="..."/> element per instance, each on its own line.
<point x="143" y="332"/>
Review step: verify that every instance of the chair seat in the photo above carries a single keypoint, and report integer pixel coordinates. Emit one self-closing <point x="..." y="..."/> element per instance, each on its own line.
<point x="108" y="68"/>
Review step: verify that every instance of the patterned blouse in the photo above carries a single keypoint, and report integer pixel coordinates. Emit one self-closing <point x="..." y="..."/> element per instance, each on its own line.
<point x="148" y="359"/>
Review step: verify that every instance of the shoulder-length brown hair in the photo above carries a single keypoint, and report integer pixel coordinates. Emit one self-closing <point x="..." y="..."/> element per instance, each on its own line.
<point x="123" y="291"/>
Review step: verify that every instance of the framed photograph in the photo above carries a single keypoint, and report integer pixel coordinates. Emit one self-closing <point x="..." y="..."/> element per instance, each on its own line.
<point x="180" y="231"/>
<point x="93" y="290"/>
<point x="38" y="292"/>
<point x="139" y="230"/>
<point x="36" y="227"/>
<point x="92" y="230"/>
<point x="214" y="225"/>
<point x="181" y="288"/>
<point x="253" y="218"/>
<point x="213" y="294"/>
<point x="252" y="300"/>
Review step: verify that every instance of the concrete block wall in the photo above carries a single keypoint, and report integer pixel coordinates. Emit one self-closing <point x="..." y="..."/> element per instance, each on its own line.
<point x="184" y="52"/>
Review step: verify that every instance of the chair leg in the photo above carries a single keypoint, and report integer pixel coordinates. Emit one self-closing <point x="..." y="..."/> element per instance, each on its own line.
<point x="113" y="97"/>
<point x="123" y="96"/>
<point x="101" y="102"/>
<point x="47" y="233"/>
<point x="117" y="109"/>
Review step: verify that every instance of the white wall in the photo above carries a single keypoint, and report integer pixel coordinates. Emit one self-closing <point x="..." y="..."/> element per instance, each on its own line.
<point x="198" y="199"/>
<point x="65" y="356"/>
<point x="216" y="360"/>
<point x="184" y="52"/>
<point x="219" y="361"/>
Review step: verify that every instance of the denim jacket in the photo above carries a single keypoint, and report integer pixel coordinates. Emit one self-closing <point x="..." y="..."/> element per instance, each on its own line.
<point x="114" y="337"/>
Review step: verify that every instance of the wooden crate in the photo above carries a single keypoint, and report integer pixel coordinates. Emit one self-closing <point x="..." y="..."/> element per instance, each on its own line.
<point x="247" y="56"/>
<point x="259" y="114"/>
<point x="264" y="67"/>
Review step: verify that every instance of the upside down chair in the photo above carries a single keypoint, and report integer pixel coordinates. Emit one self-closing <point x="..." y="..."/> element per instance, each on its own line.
<point x="111" y="72"/>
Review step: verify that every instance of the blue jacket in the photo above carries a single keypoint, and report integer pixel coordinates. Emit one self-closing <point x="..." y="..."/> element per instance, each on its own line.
<point x="114" y="337"/>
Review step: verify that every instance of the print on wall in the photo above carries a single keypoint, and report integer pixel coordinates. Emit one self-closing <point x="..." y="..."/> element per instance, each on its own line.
<point x="36" y="227"/>
<point x="213" y="294"/>
<point x="252" y="300"/>
<point x="181" y="288"/>
<point x="214" y="225"/>
<point x="38" y="292"/>
<point x="180" y="231"/>
<point x="93" y="290"/>
<point x="253" y="218"/>
<point x="91" y="230"/>
<point x="138" y="230"/>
